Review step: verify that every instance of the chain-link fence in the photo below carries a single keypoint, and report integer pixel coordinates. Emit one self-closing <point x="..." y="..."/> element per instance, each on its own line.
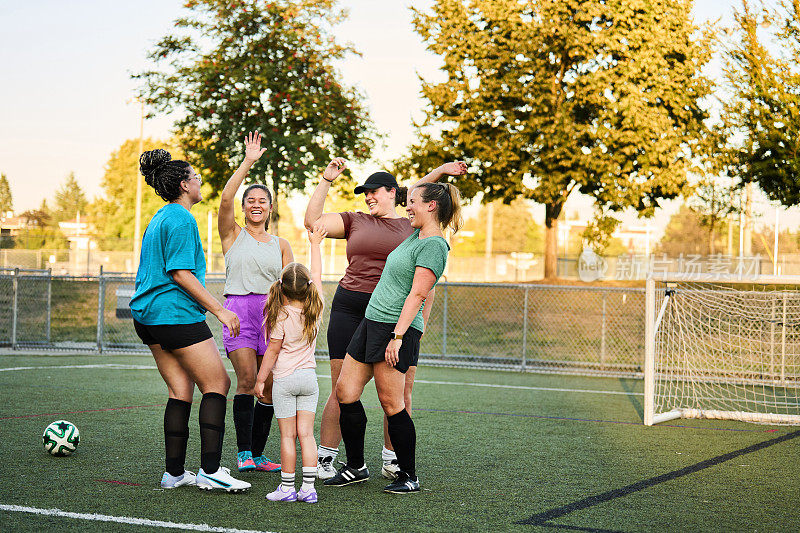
<point x="480" y="325"/>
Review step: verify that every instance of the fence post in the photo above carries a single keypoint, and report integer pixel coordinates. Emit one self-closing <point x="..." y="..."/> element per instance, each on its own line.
<point x="525" y="332"/>
<point x="444" y="322"/>
<point x="49" y="301"/>
<point x="603" y="335"/>
<point x="101" y="304"/>
<point x="14" y="307"/>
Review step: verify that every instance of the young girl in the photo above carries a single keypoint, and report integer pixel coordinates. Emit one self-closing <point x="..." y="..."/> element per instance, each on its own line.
<point x="292" y="315"/>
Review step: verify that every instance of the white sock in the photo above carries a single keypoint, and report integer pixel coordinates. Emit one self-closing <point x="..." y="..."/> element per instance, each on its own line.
<point x="323" y="452"/>
<point x="287" y="481"/>
<point x="309" y="475"/>
<point x="388" y="455"/>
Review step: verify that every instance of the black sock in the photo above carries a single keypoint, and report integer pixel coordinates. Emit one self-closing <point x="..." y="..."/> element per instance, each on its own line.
<point x="176" y="434"/>
<point x="212" y="429"/>
<point x="262" y="421"/>
<point x="403" y="435"/>
<point x="243" y="421"/>
<point x="353" y="423"/>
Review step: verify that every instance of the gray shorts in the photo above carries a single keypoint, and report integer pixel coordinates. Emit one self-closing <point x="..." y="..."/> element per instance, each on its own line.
<point x="296" y="392"/>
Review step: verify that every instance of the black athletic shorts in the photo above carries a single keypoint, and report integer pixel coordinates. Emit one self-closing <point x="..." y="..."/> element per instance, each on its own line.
<point x="347" y="312"/>
<point x="370" y="341"/>
<point x="173" y="336"/>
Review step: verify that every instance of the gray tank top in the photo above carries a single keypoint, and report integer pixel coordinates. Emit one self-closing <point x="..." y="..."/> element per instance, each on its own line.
<point x="251" y="266"/>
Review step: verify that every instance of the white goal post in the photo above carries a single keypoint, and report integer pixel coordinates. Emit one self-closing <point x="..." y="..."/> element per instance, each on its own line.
<point x="722" y="347"/>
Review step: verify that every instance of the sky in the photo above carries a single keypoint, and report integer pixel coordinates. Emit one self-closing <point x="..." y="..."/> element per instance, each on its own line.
<point x="66" y="90"/>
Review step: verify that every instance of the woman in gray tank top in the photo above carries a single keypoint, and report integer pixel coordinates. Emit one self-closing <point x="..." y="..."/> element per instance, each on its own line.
<point x="253" y="262"/>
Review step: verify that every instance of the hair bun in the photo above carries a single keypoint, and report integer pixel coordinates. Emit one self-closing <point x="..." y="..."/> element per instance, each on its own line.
<point x="150" y="161"/>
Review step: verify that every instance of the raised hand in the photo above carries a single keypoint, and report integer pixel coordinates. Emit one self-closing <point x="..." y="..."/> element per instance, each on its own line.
<point x="252" y="147"/>
<point x="319" y="232"/>
<point x="334" y="168"/>
<point x="454" y="168"/>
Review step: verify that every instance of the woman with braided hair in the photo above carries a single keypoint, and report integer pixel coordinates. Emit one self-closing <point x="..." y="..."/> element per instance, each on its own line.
<point x="168" y="308"/>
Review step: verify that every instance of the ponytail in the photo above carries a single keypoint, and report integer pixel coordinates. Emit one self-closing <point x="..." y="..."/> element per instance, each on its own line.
<point x="312" y="309"/>
<point x="272" y="307"/>
<point x="295" y="284"/>
<point x="400" y="196"/>
<point x="448" y="203"/>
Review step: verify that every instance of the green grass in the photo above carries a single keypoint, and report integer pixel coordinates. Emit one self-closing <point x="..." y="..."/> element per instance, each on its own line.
<point x="487" y="458"/>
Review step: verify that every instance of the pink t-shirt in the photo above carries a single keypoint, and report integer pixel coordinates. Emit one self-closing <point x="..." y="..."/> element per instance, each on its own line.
<point x="295" y="352"/>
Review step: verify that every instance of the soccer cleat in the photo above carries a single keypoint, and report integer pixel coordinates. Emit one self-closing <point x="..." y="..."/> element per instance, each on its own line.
<point x="325" y="469"/>
<point x="403" y="484"/>
<point x="307" y="496"/>
<point x="244" y="461"/>
<point x="221" y="480"/>
<point x="282" y="495"/>
<point x="173" y="482"/>
<point x="348" y="476"/>
<point x="265" y="465"/>
<point x="390" y="469"/>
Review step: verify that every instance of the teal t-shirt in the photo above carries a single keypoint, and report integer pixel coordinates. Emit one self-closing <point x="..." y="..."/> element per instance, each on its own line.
<point x="171" y="242"/>
<point x="397" y="278"/>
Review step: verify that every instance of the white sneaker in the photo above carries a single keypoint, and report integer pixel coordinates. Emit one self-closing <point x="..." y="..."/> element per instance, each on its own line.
<point x="325" y="468"/>
<point x="222" y="480"/>
<point x="169" y="481"/>
<point x="390" y="469"/>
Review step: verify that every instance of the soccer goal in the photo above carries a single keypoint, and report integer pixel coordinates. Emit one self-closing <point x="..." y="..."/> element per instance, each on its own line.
<point x="720" y="347"/>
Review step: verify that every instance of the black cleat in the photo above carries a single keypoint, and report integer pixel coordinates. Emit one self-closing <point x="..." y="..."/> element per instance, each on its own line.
<point x="403" y="484"/>
<point x="348" y="476"/>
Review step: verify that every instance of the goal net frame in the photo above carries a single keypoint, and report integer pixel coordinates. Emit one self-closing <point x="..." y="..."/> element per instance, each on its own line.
<point x="655" y="362"/>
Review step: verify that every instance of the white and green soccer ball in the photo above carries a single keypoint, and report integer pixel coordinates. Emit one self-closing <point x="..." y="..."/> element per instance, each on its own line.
<point x="61" y="438"/>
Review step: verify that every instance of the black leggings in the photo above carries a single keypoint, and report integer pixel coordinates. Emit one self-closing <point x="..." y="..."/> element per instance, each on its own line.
<point x="347" y="312"/>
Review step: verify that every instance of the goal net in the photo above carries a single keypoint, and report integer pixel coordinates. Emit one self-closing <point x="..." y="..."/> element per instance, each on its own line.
<point x="722" y="348"/>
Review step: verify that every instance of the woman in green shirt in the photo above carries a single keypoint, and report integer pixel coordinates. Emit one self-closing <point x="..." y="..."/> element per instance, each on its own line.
<point x="386" y="343"/>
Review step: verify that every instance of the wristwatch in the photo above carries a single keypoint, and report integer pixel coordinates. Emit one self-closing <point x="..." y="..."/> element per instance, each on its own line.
<point x="396" y="337"/>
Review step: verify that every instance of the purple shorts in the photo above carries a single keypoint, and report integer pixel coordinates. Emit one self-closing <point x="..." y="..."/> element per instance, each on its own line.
<point x="250" y="310"/>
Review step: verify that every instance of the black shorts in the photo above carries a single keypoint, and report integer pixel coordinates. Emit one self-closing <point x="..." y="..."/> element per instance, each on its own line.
<point x="173" y="336"/>
<point x="347" y="312"/>
<point x="370" y="341"/>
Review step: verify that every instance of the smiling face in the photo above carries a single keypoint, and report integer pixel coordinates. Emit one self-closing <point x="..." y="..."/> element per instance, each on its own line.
<point x="419" y="212"/>
<point x="192" y="186"/>
<point x="257" y="206"/>
<point x="380" y="201"/>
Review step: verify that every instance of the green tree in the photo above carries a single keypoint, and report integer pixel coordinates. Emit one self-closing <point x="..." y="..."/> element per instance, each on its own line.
<point x="713" y="202"/>
<point x="686" y="234"/>
<point x="6" y="200"/>
<point x="513" y="230"/>
<point x="550" y="96"/>
<point x="762" y="115"/>
<point x="234" y="67"/>
<point x="42" y="232"/>
<point x="70" y="200"/>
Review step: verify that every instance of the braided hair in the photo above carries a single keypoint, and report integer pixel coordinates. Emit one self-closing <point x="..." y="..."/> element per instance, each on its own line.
<point x="163" y="174"/>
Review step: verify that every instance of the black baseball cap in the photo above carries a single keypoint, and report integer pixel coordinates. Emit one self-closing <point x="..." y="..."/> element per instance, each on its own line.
<point x="376" y="181"/>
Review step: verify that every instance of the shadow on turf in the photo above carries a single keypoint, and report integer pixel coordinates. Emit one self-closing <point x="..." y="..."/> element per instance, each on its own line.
<point x="628" y="386"/>
<point x="543" y="519"/>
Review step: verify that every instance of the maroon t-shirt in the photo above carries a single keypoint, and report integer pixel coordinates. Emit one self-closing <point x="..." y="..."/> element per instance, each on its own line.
<point x="369" y="241"/>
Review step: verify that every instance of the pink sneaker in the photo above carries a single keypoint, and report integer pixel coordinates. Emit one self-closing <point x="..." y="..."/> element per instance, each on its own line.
<point x="282" y="495"/>
<point x="244" y="461"/>
<point x="307" y="496"/>
<point x="265" y="465"/>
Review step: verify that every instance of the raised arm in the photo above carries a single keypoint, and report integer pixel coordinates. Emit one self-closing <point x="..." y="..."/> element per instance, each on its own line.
<point x="192" y="285"/>
<point x="315" y="237"/>
<point x="226" y="221"/>
<point x="453" y="168"/>
<point x="332" y="221"/>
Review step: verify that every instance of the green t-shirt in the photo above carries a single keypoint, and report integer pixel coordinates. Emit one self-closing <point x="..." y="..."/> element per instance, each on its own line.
<point x="394" y="286"/>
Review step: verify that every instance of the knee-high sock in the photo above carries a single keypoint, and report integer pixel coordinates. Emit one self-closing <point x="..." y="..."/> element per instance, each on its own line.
<point x="262" y="421"/>
<point x="176" y="434"/>
<point x="243" y="421"/>
<point x="212" y="429"/>
<point x="353" y="423"/>
<point x="403" y="435"/>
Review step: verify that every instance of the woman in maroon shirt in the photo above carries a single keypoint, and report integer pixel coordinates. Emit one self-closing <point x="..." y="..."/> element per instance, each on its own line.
<point x="370" y="238"/>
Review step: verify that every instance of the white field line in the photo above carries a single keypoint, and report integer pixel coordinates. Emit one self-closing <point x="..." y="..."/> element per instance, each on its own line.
<point x="122" y="519"/>
<point x="425" y="381"/>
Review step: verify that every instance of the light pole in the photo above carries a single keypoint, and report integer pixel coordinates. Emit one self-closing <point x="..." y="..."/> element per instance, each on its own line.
<point x="137" y="221"/>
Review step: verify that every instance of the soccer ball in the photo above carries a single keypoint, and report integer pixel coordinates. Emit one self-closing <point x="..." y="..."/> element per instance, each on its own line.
<point x="61" y="438"/>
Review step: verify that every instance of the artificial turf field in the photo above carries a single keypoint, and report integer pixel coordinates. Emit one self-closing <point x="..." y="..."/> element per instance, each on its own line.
<point x="496" y="451"/>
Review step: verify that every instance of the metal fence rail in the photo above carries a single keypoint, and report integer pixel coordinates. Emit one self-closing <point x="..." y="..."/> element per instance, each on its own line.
<point x="535" y="328"/>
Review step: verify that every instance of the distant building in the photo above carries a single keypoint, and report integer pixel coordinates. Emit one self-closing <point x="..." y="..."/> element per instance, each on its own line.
<point x="78" y="234"/>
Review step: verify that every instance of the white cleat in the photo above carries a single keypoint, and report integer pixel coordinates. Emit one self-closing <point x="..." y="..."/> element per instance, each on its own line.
<point x="390" y="469"/>
<point x="325" y="469"/>
<point x="169" y="481"/>
<point x="221" y="480"/>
